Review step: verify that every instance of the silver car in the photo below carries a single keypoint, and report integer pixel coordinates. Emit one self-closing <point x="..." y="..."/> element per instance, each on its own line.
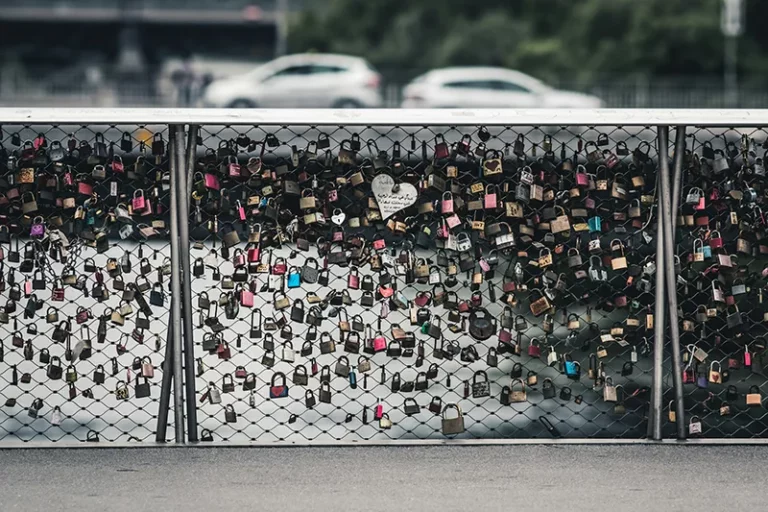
<point x="484" y="87"/>
<point x="300" y="81"/>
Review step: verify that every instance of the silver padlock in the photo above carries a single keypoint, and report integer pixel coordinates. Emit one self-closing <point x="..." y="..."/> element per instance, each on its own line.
<point x="214" y="395"/>
<point x="720" y="163"/>
<point x="759" y="168"/>
<point x="126" y="231"/>
<point x="694" y="427"/>
<point x="56" y="416"/>
<point x="552" y="358"/>
<point x="463" y="242"/>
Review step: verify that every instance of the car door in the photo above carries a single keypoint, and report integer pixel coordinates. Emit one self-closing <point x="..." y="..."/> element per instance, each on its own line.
<point x="323" y="85"/>
<point x="286" y="87"/>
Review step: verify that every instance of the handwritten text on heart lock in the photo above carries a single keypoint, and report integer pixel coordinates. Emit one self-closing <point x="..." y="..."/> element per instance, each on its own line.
<point x="391" y="198"/>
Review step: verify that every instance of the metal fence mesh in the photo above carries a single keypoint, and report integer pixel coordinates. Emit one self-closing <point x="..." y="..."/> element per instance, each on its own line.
<point x="82" y="273"/>
<point x="722" y="249"/>
<point x="369" y="282"/>
<point x="319" y="320"/>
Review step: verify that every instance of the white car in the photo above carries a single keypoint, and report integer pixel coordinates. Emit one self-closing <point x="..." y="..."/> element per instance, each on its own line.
<point x="300" y="81"/>
<point x="480" y="87"/>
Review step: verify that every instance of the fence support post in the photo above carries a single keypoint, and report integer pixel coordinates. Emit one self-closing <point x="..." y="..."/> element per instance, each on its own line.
<point x="677" y="176"/>
<point x="186" y="272"/>
<point x="176" y="135"/>
<point x="165" y="389"/>
<point x="657" y="392"/>
<point x="671" y="277"/>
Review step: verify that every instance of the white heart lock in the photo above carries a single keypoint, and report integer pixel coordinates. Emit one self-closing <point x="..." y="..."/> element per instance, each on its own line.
<point x="338" y="217"/>
<point x="392" y="197"/>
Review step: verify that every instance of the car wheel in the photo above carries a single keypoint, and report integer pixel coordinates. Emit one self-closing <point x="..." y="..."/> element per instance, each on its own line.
<point x="242" y="104"/>
<point x="347" y="104"/>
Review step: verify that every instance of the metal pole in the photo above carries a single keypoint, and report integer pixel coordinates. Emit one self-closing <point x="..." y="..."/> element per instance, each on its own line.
<point x="178" y="401"/>
<point x="191" y="157"/>
<point x="165" y="390"/>
<point x="281" y="28"/>
<point x="671" y="279"/>
<point x="186" y="272"/>
<point x="657" y="393"/>
<point x="677" y="176"/>
<point x="731" y="77"/>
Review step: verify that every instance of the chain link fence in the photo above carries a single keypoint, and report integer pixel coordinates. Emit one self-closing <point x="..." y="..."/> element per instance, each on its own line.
<point x="722" y="250"/>
<point x="83" y="277"/>
<point x="353" y="282"/>
<point x="515" y="290"/>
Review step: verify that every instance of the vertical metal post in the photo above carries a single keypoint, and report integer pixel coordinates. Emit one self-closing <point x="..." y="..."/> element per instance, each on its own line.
<point x="657" y="392"/>
<point x="186" y="272"/>
<point x="178" y="401"/>
<point x="165" y="389"/>
<point x="191" y="157"/>
<point x="677" y="175"/>
<point x="671" y="278"/>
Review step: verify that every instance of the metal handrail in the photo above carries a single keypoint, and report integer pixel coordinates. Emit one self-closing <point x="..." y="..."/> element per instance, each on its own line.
<point x="388" y="117"/>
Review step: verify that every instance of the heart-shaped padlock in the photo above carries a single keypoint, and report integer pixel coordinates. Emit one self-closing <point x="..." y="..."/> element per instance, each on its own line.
<point x="338" y="217"/>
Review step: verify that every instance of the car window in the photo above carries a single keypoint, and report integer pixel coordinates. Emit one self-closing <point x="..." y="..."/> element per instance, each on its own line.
<point x="291" y="71"/>
<point x="317" y="69"/>
<point x="503" y="85"/>
<point x="469" y="84"/>
<point x="495" y="85"/>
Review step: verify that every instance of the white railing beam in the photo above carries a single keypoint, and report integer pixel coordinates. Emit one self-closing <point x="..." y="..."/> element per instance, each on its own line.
<point x="388" y="117"/>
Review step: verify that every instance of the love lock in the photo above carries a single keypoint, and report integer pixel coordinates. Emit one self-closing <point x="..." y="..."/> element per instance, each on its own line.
<point x="481" y="324"/>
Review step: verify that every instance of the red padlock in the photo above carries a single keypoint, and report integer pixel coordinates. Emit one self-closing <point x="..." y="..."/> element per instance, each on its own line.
<point x="441" y="148"/>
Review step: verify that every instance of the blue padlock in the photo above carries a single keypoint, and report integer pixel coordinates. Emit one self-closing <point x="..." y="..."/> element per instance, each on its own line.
<point x="595" y="224"/>
<point x="294" y="278"/>
<point x="572" y="369"/>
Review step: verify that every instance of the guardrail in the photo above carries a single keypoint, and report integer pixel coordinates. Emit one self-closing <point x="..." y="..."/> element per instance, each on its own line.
<point x="519" y="289"/>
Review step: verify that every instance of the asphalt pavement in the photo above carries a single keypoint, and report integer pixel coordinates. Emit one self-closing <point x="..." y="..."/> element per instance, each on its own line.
<point x="573" y="478"/>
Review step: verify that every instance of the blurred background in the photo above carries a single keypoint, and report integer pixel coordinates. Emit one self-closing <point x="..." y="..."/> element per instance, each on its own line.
<point x="390" y="53"/>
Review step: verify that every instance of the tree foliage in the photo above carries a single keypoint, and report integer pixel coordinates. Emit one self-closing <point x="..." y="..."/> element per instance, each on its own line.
<point x="579" y="40"/>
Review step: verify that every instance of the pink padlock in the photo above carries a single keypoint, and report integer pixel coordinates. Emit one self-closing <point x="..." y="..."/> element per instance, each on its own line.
<point x="378" y="412"/>
<point x="234" y="168"/>
<point x="446" y="205"/>
<point x="491" y="201"/>
<point x="280" y="267"/>
<point x="211" y="181"/>
<point x="453" y="221"/>
<point x="246" y="298"/>
<point x="379" y="342"/>
<point x="37" y="230"/>
<point x="582" y="179"/>
<point x="240" y="210"/>
<point x="747" y="357"/>
<point x="611" y="160"/>
<point x="353" y="280"/>
<point x="238" y="258"/>
<point x="254" y="254"/>
<point x="138" y="201"/>
<point x="84" y="188"/>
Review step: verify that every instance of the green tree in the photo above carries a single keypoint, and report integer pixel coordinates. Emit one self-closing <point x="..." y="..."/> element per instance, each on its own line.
<point x="580" y="41"/>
